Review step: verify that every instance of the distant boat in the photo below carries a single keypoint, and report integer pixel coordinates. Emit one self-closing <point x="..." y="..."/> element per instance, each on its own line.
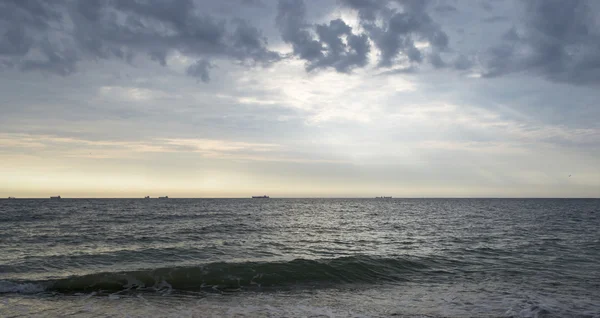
<point x="55" y="198"/>
<point x="165" y="197"/>
<point x="383" y="197"/>
<point x="11" y="198"/>
<point x="147" y="197"/>
<point x="260" y="197"/>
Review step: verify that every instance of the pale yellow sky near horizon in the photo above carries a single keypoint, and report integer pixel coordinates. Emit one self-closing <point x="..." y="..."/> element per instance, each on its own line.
<point x="220" y="169"/>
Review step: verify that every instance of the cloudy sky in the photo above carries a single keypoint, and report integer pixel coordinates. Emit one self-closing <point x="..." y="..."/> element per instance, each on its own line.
<point x="340" y="98"/>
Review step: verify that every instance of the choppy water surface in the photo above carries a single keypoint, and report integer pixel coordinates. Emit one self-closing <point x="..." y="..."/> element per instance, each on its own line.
<point x="300" y="257"/>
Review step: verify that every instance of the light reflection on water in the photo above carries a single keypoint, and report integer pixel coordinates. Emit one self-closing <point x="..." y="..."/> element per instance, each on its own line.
<point x="468" y="255"/>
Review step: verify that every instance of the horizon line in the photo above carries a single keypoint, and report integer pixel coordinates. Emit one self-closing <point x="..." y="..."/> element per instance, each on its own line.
<point x="250" y="197"/>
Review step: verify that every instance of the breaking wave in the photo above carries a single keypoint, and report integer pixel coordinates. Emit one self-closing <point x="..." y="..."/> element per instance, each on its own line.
<point x="235" y="276"/>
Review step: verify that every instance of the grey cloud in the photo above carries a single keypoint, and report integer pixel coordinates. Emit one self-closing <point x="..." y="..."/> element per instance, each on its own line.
<point x="14" y="41"/>
<point x="501" y="60"/>
<point x="252" y="2"/>
<point x="342" y="56"/>
<point x="486" y="5"/>
<point x="495" y="19"/>
<point x="29" y="25"/>
<point x="462" y="63"/>
<point x="159" y="27"/>
<point x="249" y="44"/>
<point x="436" y="60"/>
<point x="36" y="14"/>
<point x="445" y="8"/>
<point x="293" y="27"/>
<point x="511" y="35"/>
<point x="397" y="30"/>
<point x="57" y="60"/>
<point x="335" y="44"/>
<point x="414" y="54"/>
<point x="560" y="40"/>
<point x="200" y="69"/>
<point x="368" y="10"/>
<point x="401" y="70"/>
<point x="68" y="32"/>
<point x="438" y="38"/>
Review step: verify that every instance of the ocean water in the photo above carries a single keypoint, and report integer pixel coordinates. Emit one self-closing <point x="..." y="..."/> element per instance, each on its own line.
<point x="300" y="258"/>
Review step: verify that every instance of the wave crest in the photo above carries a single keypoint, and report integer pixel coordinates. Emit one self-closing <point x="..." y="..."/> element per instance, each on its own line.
<point x="237" y="276"/>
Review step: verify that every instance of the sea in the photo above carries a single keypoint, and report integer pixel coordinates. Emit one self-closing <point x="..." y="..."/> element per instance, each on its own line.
<point x="300" y="258"/>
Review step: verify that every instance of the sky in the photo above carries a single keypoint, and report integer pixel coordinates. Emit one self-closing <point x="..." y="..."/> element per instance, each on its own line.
<point x="293" y="98"/>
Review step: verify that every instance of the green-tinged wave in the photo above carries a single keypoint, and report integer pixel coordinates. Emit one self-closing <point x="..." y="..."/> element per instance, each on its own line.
<point x="239" y="276"/>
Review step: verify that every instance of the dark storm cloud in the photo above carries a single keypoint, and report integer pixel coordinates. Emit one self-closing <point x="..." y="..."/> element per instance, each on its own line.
<point x="54" y="36"/>
<point x="335" y="45"/>
<point x="559" y="40"/>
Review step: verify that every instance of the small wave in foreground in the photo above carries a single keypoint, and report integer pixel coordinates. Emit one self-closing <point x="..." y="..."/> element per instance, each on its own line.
<point x="235" y="276"/>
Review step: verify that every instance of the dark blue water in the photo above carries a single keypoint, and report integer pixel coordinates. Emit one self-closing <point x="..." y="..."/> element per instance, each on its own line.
<point x="300" y="257"/>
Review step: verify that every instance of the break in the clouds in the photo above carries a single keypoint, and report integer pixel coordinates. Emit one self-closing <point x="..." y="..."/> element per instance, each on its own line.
<point x="300" y="97"/>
